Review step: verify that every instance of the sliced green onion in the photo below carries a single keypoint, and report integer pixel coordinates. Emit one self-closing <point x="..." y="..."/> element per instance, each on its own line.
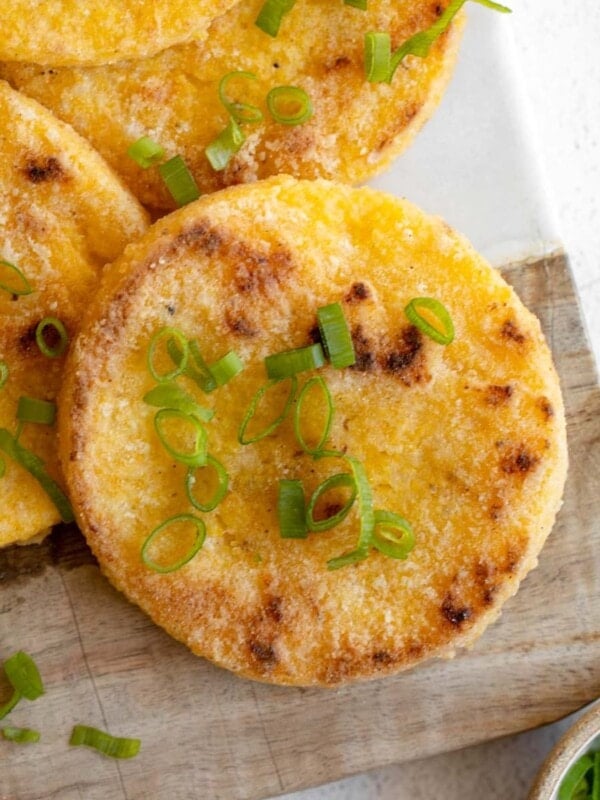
<point x="198" y="542"/>
<point x="596" y="777"/>
<point x="197" y="456"/>
<point x="222" y="149"/>
<point x="342" y="479"/>
<point x="290" y="362"/>
<point x="179" y="181"/>
<point x="171" y="335"/>
<point x="378" y="57"/>
<point x="35" y="466"/>
<point x="241" y="112"/>
<point x="24" y="675"/>
<point x="2" y="467"/>
<point x="254" y="405"/>
<point x="336" y="336"/>
<point x="353" y="557"/>
<point x="197" y="372"/>
<point x="30" y="409"/>
<point x="221" y="488"/>
<point x="113" y="746"/>
<point x="290" y="510"/>
<point x="572" y="780"/>
<point x="271" y="15"/>
<point x="366" y="514"/>
<point x="10" y="704"/>
<point x="145" y="152"/>
<point x="20" y="290"/>
<point x="444" y="336"/>
<point x="361" y="4"/>
<point x="3" y="373"/>
<point x="289" y="105"/>
<point x="170" y="395"/>
<point x="54" y="324"/>
<point x="20" y="735"/>
<point x="393" y="535"/>
<point x="315" y="381"/>
<point x="226" y="368"/>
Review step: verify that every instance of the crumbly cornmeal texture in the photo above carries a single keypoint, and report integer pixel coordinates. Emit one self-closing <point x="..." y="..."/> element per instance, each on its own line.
<point x="65" y="32"/>
<point x="467" y="441"/>
<point x="63" y="215"/>
<point x="357" y="127"/>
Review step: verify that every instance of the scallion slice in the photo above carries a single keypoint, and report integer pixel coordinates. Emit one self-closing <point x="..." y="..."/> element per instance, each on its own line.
<point x="378" y="57"/>
<point x="145" y="152"/>
<point x="596" y="777"/>
<point x="252" y="408"/>
<point x="198" y="371"/>
<point x="444" y="336"/>
<point x="220" y="490"/>
<point x="393" y="535"/>
<point x="361" y="4"/>
<point x="241" y="112"/>
<point x="366" y="515"/>
<point x="30" y="409"/>
<point x="171" y="335"/>
<point x="199" y="538"/>
<point x="271" y="15"/>
<point x="289" y="105"/>
<point x="353" y="557"/>
<point x="193" y="458"/>
<point x="342" y="479"/>
<point x="20" y="735"/>
<point x="35" y="466"/>
<point x="179" y="181"/>
<point x="336" y="336"/>
<point x="291" y="362"/>
<point x="320" y="383"/>
<point x="112" y="746"/>
<point x="222" y="149"/>
<point x="291" y="510"/>
<point x="226" y="368"/>
<point x="170" y="395"/>
<point x="24" y="675"/>
<point x="3" y="373"/>
<point x="23" y="286"/>
<point x="58" y="328"/>
<point x="10" y="704"/>
<point x="575" y="775"/>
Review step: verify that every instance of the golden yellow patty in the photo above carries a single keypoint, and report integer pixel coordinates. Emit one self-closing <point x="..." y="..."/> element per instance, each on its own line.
<point x="63" y="215"/>
<point x="357" y="128"/>
<point x="466" y="441"/>
<point x="61" y="32"/>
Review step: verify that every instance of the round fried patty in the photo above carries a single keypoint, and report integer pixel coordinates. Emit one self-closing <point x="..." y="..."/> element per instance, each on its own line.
<point x="466" y="441"/>
<point x="357" y="127"/>
<point x="63" y="215"/>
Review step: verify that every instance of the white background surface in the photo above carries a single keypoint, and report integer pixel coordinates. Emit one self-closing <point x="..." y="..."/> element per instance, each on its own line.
<point x="558" y="50"/>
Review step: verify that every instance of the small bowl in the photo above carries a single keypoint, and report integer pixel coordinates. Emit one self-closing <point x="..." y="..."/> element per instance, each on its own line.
<point x="583" y="737"/>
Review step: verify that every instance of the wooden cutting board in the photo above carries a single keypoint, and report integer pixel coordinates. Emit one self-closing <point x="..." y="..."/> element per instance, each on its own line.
<point x="207" y="734"/>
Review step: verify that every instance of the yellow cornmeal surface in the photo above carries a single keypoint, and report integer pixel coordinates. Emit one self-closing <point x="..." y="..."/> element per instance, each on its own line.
<point x="63" y="215"/>
<point x="61" y="32"/>
<point x="466" y="441"/>
<point x="357" y="128"/>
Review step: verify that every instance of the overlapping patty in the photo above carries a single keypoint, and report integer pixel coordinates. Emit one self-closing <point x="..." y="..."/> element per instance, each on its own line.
<point x="466" y="441"/>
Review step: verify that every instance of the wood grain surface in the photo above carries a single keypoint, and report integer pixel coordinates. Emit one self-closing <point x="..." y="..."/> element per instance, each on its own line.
<point x="207" y="734"/>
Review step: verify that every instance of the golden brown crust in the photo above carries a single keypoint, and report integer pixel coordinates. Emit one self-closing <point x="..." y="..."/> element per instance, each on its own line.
<point x="478" y="468"/>
<point x="357" y="128"/>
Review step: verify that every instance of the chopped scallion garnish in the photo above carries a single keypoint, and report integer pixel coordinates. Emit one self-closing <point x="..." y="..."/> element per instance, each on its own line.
<point x="253" y="407"/>
<point x="170" y="395"/>
<point x="24" y="675"/>
<point x="171" y="335"/>
<point x="113" y="746"/>
<point x="271" y="14"/>
<point x="366" y="514"/>
<point x="198" y="371"/>
<point x="241" y="112"/>
<point x="574" y="780"/>
<point x="200" y="535"/>
<point x="444" y="336"/>
<point x="361" y="4"/>
<point x="145" y="152"/>
<point x="336" y="336"/>
<point x="341" y="480"/>
<point x="289" y="105"/>
<point x="291" y="510"/>
<point x="393" y="535"/>
<point x="226" y="368"/>
<point x="23" y="286"/>
<point x="196" y="457"/>
<point x="291" y="362"/>
<point x="10" y="704"/>
<point x="20" y="735"/>
<point x="57" y="328"/>
<point x="221" y="150"/>
<point x="220" y="490"/>
<point x="3" y="373"/>
<point x="353" y="557"/>
<point x="316" y="381"/>
<point x="30" y="409"/>
<point x="378" y="57"/>
<point x="179" y="181"/>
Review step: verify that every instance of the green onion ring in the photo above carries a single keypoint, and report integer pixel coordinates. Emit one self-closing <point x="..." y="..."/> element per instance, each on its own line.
<point x="220" y="491"/>
<point x="3" y="374"/>
<point x="254" y="405"/>
<point x="289" y="94"/>
<point x="271" y="15"/>
<point x="199" y="373"/>
<point x="172" y="335"/>
<point x="145" y="152"/>
<point x="290" y="362"/>
<point x="315" y="381"/>
<point x="170" y="395"/>
<point x="291" y="512"/>
<point x="58" y="326"/>
<point x="179" y="181"/>
<point x="112" y="746"/>
<point x="41" y="412"/>
<point x="222" y="149"/>
<point x="341" y="479"/>
<point x="336" y="336"/>
<point x="384" y="538"/>
<point x="573" y="778"/>
<point x="360" y="4"/>
<point x="197" y="457"/>
<point x="365" y="509"/>
<point x="198" y="542"/>
<point x="412" y="312"/>
<point x="24" y="675"/>
<point x="10" y="704"/>
<point x="353" y="557"/>
<point x="378" y="57"/>
<point x="19" y="292"/>
<point x="226" y="368"/>
<point x="20" y="735"/>
<point x="241" y="112"/>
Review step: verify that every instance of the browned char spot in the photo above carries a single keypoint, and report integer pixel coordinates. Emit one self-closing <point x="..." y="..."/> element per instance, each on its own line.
<point x="43" y="168"/>
<point x="517" y="460"/>
<point x="358" y="291"/>
<point x="546" y="407"/>
<point x="407" y="358"/>
<point x="510" y="331"/>
<point x="273" y="609"/>
<point x="339" y="62"/>
<point x="238" y="323"/>
<point x="263" y="652"/>
<point x="455" y="612"/>
<point x="365" y="357"/>
<point x="383" y="657"/>
<point x="498" y="395"/>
